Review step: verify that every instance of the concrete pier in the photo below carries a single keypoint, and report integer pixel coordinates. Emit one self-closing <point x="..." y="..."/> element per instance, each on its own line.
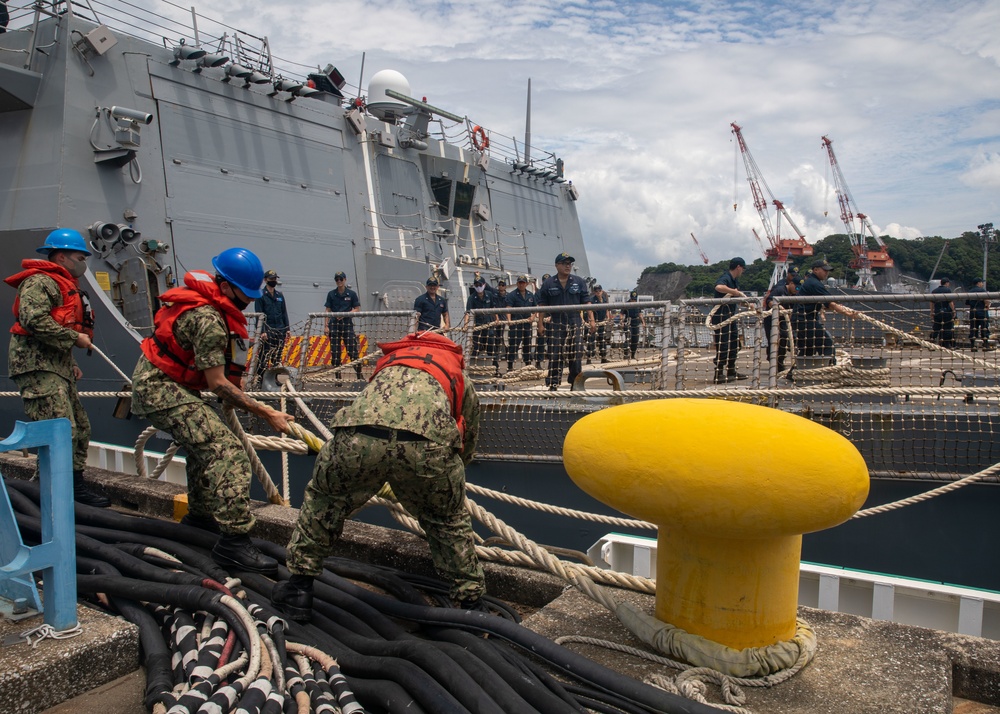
<point x="862" y="665"/>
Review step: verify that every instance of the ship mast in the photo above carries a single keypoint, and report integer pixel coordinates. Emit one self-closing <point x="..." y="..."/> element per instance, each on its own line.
<point x="527" y="128"/>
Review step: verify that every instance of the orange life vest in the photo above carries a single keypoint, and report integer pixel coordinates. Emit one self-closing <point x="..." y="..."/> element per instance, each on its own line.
<point x="75" y="311"/>
<point x="163" y="349"/>
<point x="439" y="357"/>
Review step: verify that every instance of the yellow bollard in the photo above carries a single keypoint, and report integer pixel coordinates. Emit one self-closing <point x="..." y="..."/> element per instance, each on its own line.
<point x="732" y="488"/>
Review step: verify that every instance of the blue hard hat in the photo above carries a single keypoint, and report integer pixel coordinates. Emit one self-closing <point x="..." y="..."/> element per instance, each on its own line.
<point x="63" y="239"/>
<point x="241" y="268"/>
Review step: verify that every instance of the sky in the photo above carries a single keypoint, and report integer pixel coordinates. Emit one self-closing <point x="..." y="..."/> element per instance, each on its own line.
<point x="638" y="97"/>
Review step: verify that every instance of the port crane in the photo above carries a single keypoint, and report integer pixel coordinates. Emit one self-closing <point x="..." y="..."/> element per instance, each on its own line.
<point x="760" y="242"/>
<point x="704" y="258"/>
<point x="865" y="259"/>
<point x="779" y="248"/>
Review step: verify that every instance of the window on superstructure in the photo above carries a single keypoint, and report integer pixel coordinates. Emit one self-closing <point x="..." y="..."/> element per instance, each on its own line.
<point x="464" y="193"/>
<point x="441" y="188"/>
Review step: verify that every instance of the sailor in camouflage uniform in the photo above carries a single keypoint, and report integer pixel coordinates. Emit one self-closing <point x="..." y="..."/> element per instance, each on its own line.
<point x="192" y="349"/>
<point x="402" y="429"/>
<point x="52" y="317"/>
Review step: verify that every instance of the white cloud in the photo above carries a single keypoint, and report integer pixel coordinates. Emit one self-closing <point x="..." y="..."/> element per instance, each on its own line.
<point x="983" y="171"/>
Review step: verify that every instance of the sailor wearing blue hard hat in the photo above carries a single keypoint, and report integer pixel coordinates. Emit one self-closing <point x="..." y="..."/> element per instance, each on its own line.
<point x="199" y="344"/>
<point x="52" y="315"/>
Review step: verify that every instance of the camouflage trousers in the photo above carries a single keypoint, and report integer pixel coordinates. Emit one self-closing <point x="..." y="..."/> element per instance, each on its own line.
<point x="218" y="469"/>
<point x="427" y="478"/>
<point x="46" y="395"/>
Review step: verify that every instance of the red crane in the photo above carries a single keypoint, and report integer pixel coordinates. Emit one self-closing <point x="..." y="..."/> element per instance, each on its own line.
<point x="864" y="258"/>
<point x="704" y="258"/>
<point x="760" y="242"/>
<point x="780" y="248"/>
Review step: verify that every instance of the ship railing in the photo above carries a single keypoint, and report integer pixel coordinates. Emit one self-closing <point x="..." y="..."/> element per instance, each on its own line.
<point x="342" y="347"/>
<point x="168" y="24"/>
<point x="912" y="405"/>
<point x="22" y="15"/>
<point x="417" y="235"/>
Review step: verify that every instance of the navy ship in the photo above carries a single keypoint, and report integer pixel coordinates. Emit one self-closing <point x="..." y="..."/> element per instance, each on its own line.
<point x="166" y="142"/>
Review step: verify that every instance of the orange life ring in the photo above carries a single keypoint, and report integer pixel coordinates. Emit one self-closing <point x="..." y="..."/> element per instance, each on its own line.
<point x="479" y="138"/>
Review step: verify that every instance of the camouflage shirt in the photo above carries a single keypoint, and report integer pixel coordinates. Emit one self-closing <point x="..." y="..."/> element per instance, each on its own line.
<point x="201" y="330"/>
<point x="404" y="398"/>
<point x="49" y="347"/>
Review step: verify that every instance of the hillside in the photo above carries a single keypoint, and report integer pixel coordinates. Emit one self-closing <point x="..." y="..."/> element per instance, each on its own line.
<point x="962" y="261"/>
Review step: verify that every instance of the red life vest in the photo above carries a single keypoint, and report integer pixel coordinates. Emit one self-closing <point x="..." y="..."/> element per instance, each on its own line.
<point x="439" y="357"/>
<point x="75" y="311"/>
<point x="163" y="349"/>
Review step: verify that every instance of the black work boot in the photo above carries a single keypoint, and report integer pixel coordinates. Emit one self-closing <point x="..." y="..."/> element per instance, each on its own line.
<point x="238" y="551"/>
<point x="82" y="494"/>
<point x="205" y="523"/>
<point x="477" y="604"/>
<point x="510" y="365"/>
<point x="294" y="597"/>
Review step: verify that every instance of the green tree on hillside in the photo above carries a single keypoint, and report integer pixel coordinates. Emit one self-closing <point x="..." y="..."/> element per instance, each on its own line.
<point x="961" y="260"/>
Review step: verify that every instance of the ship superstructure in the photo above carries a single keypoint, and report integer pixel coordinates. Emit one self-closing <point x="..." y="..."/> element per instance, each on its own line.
<point x="166" y="142"/>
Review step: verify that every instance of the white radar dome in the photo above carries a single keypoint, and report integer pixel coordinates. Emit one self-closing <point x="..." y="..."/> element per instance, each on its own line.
<point x="382" y="105"/>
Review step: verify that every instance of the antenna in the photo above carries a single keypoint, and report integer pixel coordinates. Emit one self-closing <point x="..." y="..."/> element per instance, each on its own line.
<point x="361" y="77"/>
<point x="527" y="127"/>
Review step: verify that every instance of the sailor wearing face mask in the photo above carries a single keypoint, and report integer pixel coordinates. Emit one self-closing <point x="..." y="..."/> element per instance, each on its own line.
<point x="199" y="343"/>
<point x="52" y="315"/>
<point x="484" y="340"/>
<point x="271" y="304"/>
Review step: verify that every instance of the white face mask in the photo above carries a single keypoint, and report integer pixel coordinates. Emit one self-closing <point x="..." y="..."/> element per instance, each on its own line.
<point x="480" y="288"/>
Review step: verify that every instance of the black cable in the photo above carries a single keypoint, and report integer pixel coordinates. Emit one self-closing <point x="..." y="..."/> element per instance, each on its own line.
<point x="189" y="597"/>
<point x="359" y="627"/>
<point x="122" y="561"/>
<point x="528" y="687"/>
<point x="567" y="661"/>
<point x="532" y="670"/>
<point x="423" y="688"/>
<point x="156" y="654"/>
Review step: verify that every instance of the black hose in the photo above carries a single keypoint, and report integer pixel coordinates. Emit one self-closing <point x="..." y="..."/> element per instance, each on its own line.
<point x="156" y="655"/>
<point x="423" y="688"/>
<point x="386" y="666"/>
<point x="532" y="670"/>
<point x="534" y="691"/>
<point x="122" y="561"/>
<point x="567" y="661"/>
<point x="20" y="502"/>
<point x="604" y="701"/>
<point x="189" y="597"/>
<point x="491" y="694"/>
<point x="107" y="518"/>
<point x="383" y="695"/>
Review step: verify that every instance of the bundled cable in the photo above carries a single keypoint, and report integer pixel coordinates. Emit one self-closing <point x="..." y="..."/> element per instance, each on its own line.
<point x="211" y="643"/>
